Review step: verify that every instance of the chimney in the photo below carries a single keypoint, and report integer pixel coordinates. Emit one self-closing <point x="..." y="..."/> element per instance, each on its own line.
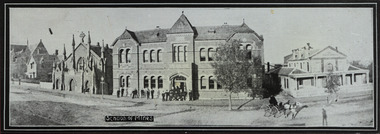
<point x="268" y="66"/>
<point x="98" y="44"/>
<point x="56" y="52"/>
<point x="336" y="48"/>
<point x="158" y="27"/>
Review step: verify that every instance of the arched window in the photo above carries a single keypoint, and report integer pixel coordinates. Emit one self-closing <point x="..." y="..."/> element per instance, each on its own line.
<point x="159" y="55"/>
<point x="184" y="53"/>
<point x="152" y="82"/>
<point x="122" y="81"/>
<point x="248" y="47"/>
<point x="160" y="82"/>
<point x="81" y="64"/>
<point x="210" y="54"/>
<point x="145" y="56"/>
<point x="241" y="47"/>
<point x="128" y="81"/>
<point x="121" y="51"/>
<point x="174" y="54"/>
<point x="218" y="86"/>
<point x="211" y="83"/>
<point x="180" y="51"/>
<point x="203" y="82"/>
<point x="202" y="54"/>
<point x="128" y="56"/>
<point x="152" y="56"/>
<point x="146" y="82"/>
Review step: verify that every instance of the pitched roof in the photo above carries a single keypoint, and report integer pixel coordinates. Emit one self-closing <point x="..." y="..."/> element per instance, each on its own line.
<point x="149" y="36"/>
<point x="315" y="53"/>
<point x="182" y="25"/>
<point x="281" y="71"/>
<point x="298" y="71"/>
<point x="18" y="48"/>
<point x="46" y="58"/>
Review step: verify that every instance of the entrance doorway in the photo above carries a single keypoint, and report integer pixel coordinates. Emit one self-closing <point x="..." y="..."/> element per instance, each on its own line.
<point x="72" y="85"/>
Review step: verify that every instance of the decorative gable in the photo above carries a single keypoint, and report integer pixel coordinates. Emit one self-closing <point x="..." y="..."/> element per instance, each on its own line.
<point x="182" y="25"/>
<point x="328" y="52"/>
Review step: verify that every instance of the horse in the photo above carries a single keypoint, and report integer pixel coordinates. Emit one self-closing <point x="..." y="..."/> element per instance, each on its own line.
<point x="294" y="109"/>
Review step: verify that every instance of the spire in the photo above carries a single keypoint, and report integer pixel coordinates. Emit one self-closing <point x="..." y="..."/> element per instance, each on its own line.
<point x="89" y="38"/>
<point x="40" y="40"/>
<point x="102" y="49"/>
<point x="64" y="51"/>
<point x="73" y="41"/>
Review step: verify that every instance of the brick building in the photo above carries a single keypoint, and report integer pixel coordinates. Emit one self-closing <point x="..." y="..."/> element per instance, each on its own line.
<point x="180" y="56"/>
<point x="19" y="55"/>
<point x="87" y="69"/>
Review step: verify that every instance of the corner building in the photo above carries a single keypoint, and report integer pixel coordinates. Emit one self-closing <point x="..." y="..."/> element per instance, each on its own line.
<point x="160" y="59"/>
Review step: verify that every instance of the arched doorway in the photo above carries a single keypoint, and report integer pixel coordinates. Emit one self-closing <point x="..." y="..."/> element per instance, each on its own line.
<point x="178" y="86"/>
<point x="57" y="84"/>
<point x="86" y="88"/>
<point x="72" y="85"/>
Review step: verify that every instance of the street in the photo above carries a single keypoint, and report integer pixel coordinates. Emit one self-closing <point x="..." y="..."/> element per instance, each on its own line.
<point x="32" y="107"/>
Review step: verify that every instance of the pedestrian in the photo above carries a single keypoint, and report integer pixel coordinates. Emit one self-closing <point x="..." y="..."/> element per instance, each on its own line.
<point x="147" y="93"/>
<point x="134" y="93"/>
<point x="152" y="93"/>
<point x="122" y="92"/>
<point x="19" y="81"/>
<point x="163" y="96"/>
<point x="324" y="116"/>
<point x="142" y="93"/>
<point x="166" y="95"/>
<point x="118" y="93"/>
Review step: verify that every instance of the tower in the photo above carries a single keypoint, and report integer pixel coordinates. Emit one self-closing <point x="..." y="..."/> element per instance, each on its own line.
<point x="89" y="45"/>
<point x="73" y="58"/>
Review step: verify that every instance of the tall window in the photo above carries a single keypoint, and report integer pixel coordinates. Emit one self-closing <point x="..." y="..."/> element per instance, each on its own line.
<point x="211" y="83"/>
<point x="145" y="56"/>
<point x="203" y="82"/>
<point x="184" y="53"/>
<point x="128" y="81"/>
<point x="249" y="51"/>
<point x="81" y="63"/>
<point x="160" y="82"/>
<point x="202" y="54"/>
<point x="152" y="56"/>
<point x="31" y="65"/>
<point x="128" y="56"/>
<point x="307" y="66"/>
<point x="146" y="82"/>
<point x="152" y="82"/>
<point x="210" y="54"/>
<point x="122" y="81"/>
<point x="249" y="47"/>
<point x="174" y="54"/>
<point x="179" y="56"/>
<point x="121" y="51"/>
<point x="159" y="55"/>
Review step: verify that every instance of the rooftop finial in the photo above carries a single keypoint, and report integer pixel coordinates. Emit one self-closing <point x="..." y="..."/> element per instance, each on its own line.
<point x="243" y="20"/>
<point x="183" y="12"/>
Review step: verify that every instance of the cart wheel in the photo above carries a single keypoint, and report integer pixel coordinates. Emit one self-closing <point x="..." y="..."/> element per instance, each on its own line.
<point x="279" y="113"/>
<point x="274" y="111"/>
<point x="268" y="111"/>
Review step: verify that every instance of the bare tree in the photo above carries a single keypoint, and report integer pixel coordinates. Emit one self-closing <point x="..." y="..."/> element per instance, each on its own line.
<point x="233" y="68"/>
<point x="332" y="83"/>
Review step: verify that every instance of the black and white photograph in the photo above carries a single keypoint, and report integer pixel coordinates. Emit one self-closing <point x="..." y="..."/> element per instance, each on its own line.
<point x="173" y="67"/>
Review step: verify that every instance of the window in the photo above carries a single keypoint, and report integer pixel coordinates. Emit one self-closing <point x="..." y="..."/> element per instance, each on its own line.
<point x="218" y="86"/>
<point x="211" y="83"/>
<point x="241" y="47"/>
<point x="81" y="64"/>
<point x="202" y="54"/>
<point x="308" y="66"/>
<point x="180" y="51"/>
<point x="203" y="82"/>
<point x="145" y="56"/>
<point x="159" y="55"/>
<point x="249" y="47"/>
<point x="152" y="82"/>
<point x="152" y="56"/>
<point x="128" y="81"/>
<point x="301" y="66"/>
<point x="121" y="51"/>
<point x="122" y="81"/>
<point x="146" y="82"/>
<point x="160" y="82"/>
<point x="174" y="54"/>
<point x="184" y="53"/>
<point x="301" y="82"/>
<point x="210" y="54"/>
<point x="31" y="65"/>
<point x="128" y="56"/>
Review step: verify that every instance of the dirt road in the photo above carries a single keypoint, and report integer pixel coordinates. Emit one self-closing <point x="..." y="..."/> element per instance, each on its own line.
<point x="39" y="107"/>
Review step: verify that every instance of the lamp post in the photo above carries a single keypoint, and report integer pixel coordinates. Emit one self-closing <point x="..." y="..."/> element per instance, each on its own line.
<point x="102" y="82"/>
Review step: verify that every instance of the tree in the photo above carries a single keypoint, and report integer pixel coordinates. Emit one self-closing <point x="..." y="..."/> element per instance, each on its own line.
<point x="332" y="83"/>
<point x="233" y="68"/>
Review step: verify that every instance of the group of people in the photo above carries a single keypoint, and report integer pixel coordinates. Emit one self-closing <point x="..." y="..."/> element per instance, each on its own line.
<point x="175" y="93"/>
<point x="148" y="93"/>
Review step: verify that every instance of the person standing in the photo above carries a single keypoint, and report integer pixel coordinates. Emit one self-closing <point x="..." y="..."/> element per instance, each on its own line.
<point x="324" y="116"/>
<point x="152" y="93"/>
<point x="147" y="93"/>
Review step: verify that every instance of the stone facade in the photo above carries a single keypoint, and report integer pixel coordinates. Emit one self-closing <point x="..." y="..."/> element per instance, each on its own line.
<point x="87" y="69"/>
<point x="161" y="59"/>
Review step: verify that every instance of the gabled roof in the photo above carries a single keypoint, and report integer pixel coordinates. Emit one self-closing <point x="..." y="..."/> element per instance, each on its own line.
<point x="46" y="58"/>
<point x="182" y="25"/>
<point x="18" y="48"/>
<point x="149" y="36"/>
<point x="222" y="32"/>
<point x="316" y="53"/>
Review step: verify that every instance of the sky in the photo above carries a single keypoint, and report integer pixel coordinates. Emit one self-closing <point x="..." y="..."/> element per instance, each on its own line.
<point x="283" y="29"/>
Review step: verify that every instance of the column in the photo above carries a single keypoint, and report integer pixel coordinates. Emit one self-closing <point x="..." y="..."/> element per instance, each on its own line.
<point x="352" y="79"/>
<point x="297" y="84"/>
<point x="343" y="79"/>
<point x="367" y="76"/>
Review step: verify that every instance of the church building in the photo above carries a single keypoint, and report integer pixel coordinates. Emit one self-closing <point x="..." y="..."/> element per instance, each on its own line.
<point x="87" y="69"/>
<point x="161" y="59"/>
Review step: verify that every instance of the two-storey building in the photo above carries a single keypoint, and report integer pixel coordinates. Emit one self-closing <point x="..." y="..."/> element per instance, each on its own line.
<point x="161" y="59"/>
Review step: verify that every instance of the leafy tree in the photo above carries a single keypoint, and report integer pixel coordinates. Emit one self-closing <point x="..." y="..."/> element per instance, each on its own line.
<point x="332" y="83"/>
<point x="233" y="68"/>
